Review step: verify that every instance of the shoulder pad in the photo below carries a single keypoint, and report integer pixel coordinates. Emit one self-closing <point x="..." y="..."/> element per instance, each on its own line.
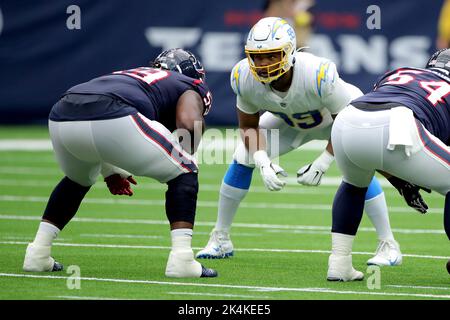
<point x="238" y="76"/>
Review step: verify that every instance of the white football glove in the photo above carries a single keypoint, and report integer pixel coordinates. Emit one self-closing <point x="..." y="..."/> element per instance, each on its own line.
<point x="269" y="171"/>
<point x="311" y="174"/>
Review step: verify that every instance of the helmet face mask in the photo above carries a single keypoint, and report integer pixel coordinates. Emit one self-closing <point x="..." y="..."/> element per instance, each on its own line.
<point x="270" y="49"/>
<point x="267" y="66"/>
<point x="182" y="61"/>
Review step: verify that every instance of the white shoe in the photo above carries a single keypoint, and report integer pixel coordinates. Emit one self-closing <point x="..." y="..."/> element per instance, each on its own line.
<point x="387" y="254"/>
<point x="38" y="259"/>
<point x="181" y="264"/>
<point x="219" y="246"/>
<point x="340" y="269"/>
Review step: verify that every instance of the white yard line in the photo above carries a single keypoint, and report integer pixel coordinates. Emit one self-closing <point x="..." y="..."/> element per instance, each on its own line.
<point x="212" y="285"/>
<point x="299" y="231"/>
<point x="45" y="184"/>
<point x="324" y="188"/>
<point x="218" y="295"/>
<point x="126" y="236"/>
<point x="419" y="287"/>
<point x="124" y="246"/>
<point x="25" y="145"/>
<point x="30" y="238"/>
<point x="267" y="227"/>
<point x="35" y="171"/>
<point x="395" y="230"/>
<point x="328" y="181"/>
<point x="87" y="298"/>
<point x="206" y="204"/>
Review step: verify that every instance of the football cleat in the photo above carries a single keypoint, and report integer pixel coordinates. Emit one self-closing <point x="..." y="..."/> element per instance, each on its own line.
<point x="38" y="259"/>
<point x="219" y="246"/>
<point x="57" y="267"/>
<point x="208" y="273"/>
<point x="340" y="269"/>
<point x="181" y="264"/>
<point x="387" y="254"/>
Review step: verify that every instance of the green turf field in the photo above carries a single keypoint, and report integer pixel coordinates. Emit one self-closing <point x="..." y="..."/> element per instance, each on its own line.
<point x="282" y="240"/>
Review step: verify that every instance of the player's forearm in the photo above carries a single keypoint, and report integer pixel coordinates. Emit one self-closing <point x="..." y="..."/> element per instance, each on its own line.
<point x="251" y="134"/>
<point x="189" y="121"/>
<point x="253" y="139"/>
<point x="191" y="134"/>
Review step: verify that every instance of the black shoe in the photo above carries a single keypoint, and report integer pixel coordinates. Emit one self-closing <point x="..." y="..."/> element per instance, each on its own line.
<point x="208" y="273"/>
<point x="57" y="267"/>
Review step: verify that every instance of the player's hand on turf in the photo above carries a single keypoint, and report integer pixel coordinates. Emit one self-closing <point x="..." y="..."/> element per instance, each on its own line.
<point x="410" y="193"/>
<point x="270" y="174"/>
<point x="269" y="171"/>
<point x="120" y="186"/>
<point x="311" y="174"/>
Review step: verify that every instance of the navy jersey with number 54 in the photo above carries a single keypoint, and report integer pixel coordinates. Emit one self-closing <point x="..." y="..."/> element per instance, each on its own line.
<point x="425" y="91"/>
<point x="151" y="92"/>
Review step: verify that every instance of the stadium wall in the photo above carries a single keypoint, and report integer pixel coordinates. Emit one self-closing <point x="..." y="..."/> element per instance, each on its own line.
<point x="48" y="46"/>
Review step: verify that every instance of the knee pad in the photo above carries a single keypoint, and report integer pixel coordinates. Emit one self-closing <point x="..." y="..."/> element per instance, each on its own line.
<point x="181" y="198"/>
<point x="374" y="189"/>
<point x="238" y="175"/>
<point x="447" y="215"/>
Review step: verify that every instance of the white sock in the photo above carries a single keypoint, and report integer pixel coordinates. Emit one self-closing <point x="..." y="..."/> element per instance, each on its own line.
<point x="341" y="244"/>
<point x="377" y="211"/>
<point x="229" y="200"/>
<point x="181" y="239"/>
<point x="46" y="233"/>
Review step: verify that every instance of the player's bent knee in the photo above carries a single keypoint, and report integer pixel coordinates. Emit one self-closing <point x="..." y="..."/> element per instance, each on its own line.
<point x="87" y="178"/>
<point x="238" y="175"/>
<point x="64" y="202"/>
<point x="374" y="189"/>
<point x="347" y="210"/>
<point x="242" y="156"/>
<point x="181" y="198"/>
<point x="447" y="215"/>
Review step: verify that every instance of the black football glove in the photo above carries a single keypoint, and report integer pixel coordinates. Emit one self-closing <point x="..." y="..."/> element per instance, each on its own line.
<point x="410" y="193"/>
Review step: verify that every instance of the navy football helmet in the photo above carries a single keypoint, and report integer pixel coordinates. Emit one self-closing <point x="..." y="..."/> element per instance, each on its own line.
<point x="440" y="59"/>
<point x="182" y="61"/>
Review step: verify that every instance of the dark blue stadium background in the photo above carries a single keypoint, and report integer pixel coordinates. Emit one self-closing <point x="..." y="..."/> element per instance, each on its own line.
<point x="40" y="57"/>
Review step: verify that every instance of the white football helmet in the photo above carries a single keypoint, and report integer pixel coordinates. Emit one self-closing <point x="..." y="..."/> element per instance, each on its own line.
<point x="273" y="39"/>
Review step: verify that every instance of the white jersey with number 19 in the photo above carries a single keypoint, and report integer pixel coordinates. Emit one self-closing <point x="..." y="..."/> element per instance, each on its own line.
<point x="315" y="94"/>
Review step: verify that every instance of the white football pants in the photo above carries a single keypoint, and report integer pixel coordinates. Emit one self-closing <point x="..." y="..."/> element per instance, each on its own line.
<point x="133" y="143"/>
<point x="360" y="141"/>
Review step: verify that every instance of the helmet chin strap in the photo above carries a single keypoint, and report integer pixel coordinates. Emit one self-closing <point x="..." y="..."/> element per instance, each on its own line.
<point x="280" y="79"/>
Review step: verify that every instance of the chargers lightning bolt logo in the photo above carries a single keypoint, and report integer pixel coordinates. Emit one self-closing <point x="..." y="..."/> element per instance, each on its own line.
<point x="236" y="75"/>
<point x="276" y="25"/>
<point x="321" y="76"/>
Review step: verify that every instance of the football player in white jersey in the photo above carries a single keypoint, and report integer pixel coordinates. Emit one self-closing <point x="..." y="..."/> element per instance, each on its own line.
<point x="301" y="94"/>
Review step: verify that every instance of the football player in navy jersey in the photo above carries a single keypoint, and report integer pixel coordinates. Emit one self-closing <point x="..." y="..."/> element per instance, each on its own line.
<point x="121" y="124"/>
<point x="401" y="129"/>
